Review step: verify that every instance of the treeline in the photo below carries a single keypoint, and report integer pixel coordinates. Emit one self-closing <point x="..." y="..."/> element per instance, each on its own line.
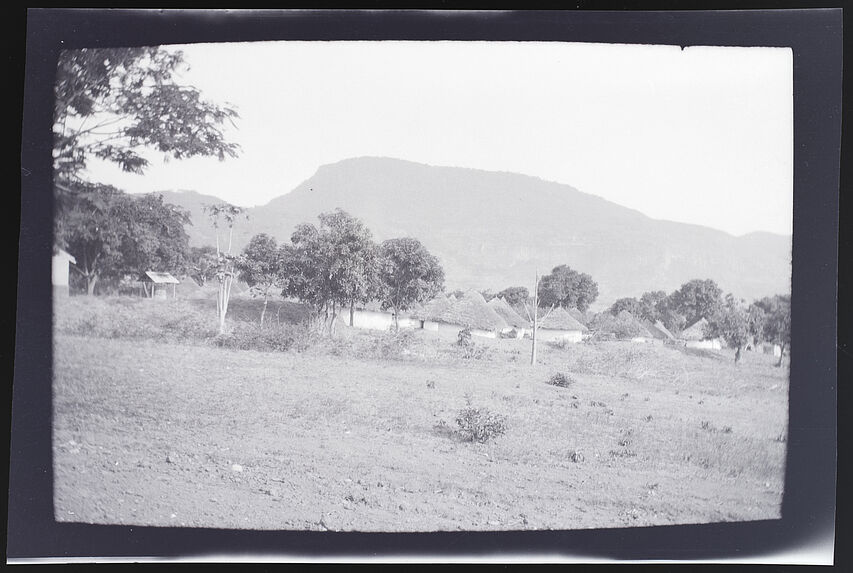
<point x="736" y="321"/>
<point x="336" y="265"/>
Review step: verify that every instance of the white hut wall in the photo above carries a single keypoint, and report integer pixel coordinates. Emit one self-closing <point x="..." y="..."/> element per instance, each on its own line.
<point x="547" y="334"/>
<point x="372" y="320"/>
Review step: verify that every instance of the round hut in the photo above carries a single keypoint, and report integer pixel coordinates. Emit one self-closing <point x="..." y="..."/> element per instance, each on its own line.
<point x="473" y="312"/>
<point x="516" y="325"/>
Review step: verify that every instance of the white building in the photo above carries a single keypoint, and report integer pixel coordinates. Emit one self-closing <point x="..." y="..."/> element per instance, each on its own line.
<point x="60" y="270"/>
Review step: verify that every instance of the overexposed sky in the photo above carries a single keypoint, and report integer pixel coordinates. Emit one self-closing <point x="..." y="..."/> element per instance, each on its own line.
<point x="702" y="135"/>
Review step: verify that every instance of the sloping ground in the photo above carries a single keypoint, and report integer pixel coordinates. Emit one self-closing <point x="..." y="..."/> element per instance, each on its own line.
<point x="152" y="433"/>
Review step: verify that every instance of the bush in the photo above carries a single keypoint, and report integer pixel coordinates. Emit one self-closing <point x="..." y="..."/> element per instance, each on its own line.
<point x="397" y="344"/>
<point x="467" y="347"/>
<point x="479" y="424"/>
<point x="561" y="380"/>
<point x="560" y="344"/>
<point x="266" y="339"/>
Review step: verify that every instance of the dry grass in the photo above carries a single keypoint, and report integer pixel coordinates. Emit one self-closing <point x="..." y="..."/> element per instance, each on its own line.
<point x="359" y="434"/>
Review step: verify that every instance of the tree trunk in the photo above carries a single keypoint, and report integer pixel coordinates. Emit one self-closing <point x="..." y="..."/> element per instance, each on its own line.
<point x="396" y="320"/>
<point x="91" y="279"/>
<point x="737" y="354"/>
<point x="781" y="354"/>
<point x="264" y="310"/>
<point x="333" y="320"/>
<point x="352" y="312"/>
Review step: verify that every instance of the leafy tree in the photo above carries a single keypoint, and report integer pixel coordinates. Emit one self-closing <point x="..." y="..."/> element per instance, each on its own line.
<point x="202" y="264"/>
<point x="514" y="295"/>
<point x="332" y="265"/>
<point x="156" y="239"/>
<point x="111" y="233"/>
<point x="630" y="304"/>
<point x="260" y="266"/>
<point x="697" y="299"/>
<point x="456" y="293"/>
<point x="652" y="305"/>
<point x="669" y="315"/>
<point x="95" y="227"/>
<point x="567" y="288"/>
<point x="757" y="319"/>
<point x="620" y="326"/>
<point x="408" y="274"/>
<point x="777" y="323"/>
<point x="224" y="214"/>
<point x="111" y="103"/>
<point x="731" y="322"/>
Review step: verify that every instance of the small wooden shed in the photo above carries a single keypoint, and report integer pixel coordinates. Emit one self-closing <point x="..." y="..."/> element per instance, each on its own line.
<point x="156" y="285"/>
<point x="59" y="274"/>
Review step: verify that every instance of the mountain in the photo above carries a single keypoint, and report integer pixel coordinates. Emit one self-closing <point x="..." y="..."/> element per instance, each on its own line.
<point x="495" y="229"/>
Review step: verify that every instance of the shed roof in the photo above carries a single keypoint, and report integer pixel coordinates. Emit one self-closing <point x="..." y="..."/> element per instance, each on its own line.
<point x="506" y="312"/>
<point x="160" y="278"/>
<point x="559" y="319"/>
<point x="472" y="310"/>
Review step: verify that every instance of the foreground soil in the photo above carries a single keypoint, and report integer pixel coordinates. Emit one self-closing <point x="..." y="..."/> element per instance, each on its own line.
<point x="168" y="434"/>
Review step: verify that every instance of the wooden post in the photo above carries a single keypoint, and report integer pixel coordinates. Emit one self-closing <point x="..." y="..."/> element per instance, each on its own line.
<point x="535" y="318"/>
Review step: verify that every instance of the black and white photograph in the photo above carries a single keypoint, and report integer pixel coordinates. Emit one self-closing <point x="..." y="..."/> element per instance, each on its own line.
<point x="407" y="286"/>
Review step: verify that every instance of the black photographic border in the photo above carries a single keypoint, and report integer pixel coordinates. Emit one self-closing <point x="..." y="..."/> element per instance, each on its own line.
<point x="815" y="36"/>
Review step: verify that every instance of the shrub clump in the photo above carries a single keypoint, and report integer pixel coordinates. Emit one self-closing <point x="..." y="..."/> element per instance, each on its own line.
<point x="467" y="347"/>
<point x="479" y="424"/>
<point x="561" y="380"/>
<point x="266" y="339"/>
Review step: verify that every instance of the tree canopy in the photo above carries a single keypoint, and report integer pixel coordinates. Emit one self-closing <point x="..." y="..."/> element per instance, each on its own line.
<point x="408" y="274"/>
<point x="111" y="103"/>
<point x="111" y="233"/>
<point x="514" y="295"/>
<point x="333" y="264"/>
<point x="730" y="321"/>
<point x="697" y="299"/>
<point x="568" y="288"/>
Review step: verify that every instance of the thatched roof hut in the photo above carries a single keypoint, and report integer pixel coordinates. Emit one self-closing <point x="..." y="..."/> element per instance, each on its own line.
<point x="471" y="310"/>
<point x="695" y="331"/>
<point x="560" y="319"/>
<point x="658" y="330"/>
<point x="433" y="309"/>
<point x="506" y="312"/>
<point x="642" y="331"/>
<point x="577" y="315"/>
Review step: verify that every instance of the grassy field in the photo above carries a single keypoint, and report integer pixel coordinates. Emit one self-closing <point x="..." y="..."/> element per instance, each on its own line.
<point x="158" y="422"/>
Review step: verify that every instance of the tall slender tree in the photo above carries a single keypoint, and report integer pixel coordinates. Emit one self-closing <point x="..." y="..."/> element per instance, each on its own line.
<point x="224" y="214"/>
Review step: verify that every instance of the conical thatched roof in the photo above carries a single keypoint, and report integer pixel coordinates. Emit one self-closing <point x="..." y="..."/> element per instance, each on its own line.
<point x="472" y="310"/>
<point x="695" y="331"/>
<point x="658" y="325"/>
<point x="506" y="312"/>
<point x="577" y="315"/>
<point x="628" y="317"/>
<point x="659" y="328"/>
<point x="559" y="319"/>
<point x="433" y="309"/>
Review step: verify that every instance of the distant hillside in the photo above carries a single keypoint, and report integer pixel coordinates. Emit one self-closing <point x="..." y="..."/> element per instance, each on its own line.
<point x="494" y="229"/>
